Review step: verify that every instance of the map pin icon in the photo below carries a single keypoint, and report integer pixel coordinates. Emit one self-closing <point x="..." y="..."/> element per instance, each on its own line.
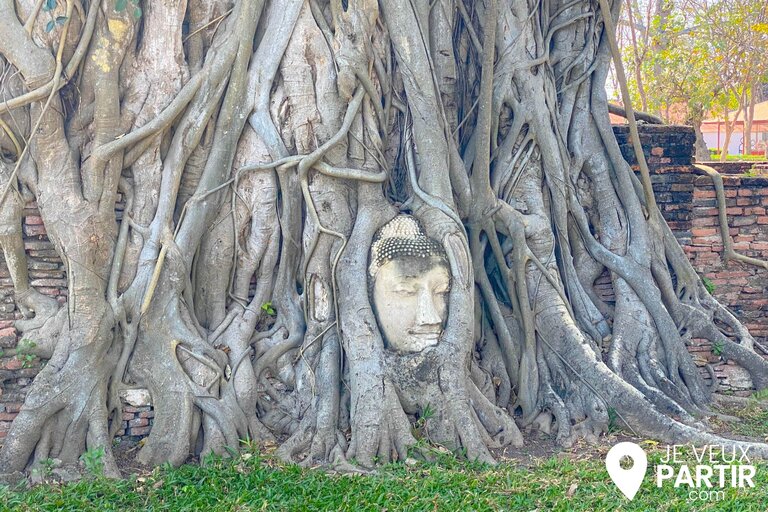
<point x="627" y="480"/>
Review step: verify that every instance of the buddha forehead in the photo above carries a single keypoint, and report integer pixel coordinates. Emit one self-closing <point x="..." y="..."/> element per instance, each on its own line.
<point x="403" y="239"/>
<point x="410" y="269"/>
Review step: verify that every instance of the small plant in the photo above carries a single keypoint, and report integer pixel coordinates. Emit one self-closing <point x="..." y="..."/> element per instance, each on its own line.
<point x="24" y="352"/>
<point x="717" y="348"/>
<point x="419" y="427"/>
<point x="93" y="460"/>
<point x="760" y="395"/>
<point x="268" y="309"/>
<point x="44" y="468"/>
<point x="426" y="414"/>
<point x="612" y="423"/>
<point x="709" y="285"/>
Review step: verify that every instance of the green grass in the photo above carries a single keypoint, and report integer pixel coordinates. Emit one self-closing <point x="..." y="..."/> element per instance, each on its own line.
<point x="753" y="419"/>
<point x="738" y="158"/>
<point x="258" y="483"/>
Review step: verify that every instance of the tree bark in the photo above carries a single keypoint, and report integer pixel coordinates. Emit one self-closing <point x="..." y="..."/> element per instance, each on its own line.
<point x="258" y="148"/>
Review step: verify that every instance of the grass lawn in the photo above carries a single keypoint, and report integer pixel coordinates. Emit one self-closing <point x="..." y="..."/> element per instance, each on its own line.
<point x="256" y="483"/>
<point x="571" y="480"/>
<point x="739" y="158"/>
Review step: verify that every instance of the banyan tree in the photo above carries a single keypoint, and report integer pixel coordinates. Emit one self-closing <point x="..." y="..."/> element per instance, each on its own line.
<point x="346" y="227"/>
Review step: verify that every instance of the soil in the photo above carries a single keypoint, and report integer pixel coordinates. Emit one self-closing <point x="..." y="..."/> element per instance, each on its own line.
<point x="538" y="447"/>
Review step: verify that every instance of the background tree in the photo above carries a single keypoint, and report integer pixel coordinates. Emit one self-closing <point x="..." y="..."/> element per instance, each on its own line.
<point x="694" y="58"/>
<point x="258" y="146"/>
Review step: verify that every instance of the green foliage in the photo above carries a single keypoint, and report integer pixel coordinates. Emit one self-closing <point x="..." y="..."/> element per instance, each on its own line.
<point x="714" y="155"/>
<point x="709" y="285"/>
<point x="563" y="483"/>
<point x="419" y="428"/>
<point x="268" y="309"/>
<point x="612" y="421"/>
<point x="24" y="352"/>
<point x="44" y="468"/>
<point x="49" y="5"/>
<point x="93" y="460"/>
<point x="717" y="348"/>
<point x="687" y="61"/>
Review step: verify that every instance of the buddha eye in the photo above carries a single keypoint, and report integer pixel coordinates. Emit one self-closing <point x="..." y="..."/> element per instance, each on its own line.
<point x="405" y="292"/>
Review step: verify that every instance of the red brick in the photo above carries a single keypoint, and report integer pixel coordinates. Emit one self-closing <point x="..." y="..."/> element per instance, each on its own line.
<point x="703" y="231"/>
<point x="658" y="151"/>
<point x="7" y="416"/>
<point x="34" y="230"/>
<point x="33" y="219"/>
<point x="139" y="431"/>
<point x="704" y="221"/>
<point x="10" y="364"/>
<point x="704" y="194"/>
<point x="743" y="221"/>
<point x="138" y="422"/>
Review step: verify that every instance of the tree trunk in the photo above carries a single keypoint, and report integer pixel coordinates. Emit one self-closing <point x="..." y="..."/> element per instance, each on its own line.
<point x="260" y="149"/>
<point x="730" y="126"/>
<point x="749" y="116"/>
<point x="701" y="151"/>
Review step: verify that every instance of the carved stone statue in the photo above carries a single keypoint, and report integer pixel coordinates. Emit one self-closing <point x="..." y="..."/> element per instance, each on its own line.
<point x="409" y="281"/>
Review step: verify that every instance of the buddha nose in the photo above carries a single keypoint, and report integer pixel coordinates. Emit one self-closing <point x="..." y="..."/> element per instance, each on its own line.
<point x="427" y="313"/>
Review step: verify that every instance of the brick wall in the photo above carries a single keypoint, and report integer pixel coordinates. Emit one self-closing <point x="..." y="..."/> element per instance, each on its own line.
<point x="687" y="201"/>
<point x="685" y="198"/>
<point x="47" y="275"/>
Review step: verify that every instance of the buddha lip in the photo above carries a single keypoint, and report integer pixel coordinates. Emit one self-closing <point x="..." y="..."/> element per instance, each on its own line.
<point x="430" y="332"/>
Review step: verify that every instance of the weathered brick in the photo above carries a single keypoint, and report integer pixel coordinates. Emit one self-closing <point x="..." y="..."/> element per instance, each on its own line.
<point x="138" y="422"/>
<point x="139" y="431"/>
<point x="34" y="230"/>
<point x="12" y="406"/>
<point x="10" y="363"/>
<point x="703" y="231"/>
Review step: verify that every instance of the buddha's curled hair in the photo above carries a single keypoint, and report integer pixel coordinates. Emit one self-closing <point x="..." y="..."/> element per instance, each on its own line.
<point x="402" y="237"/>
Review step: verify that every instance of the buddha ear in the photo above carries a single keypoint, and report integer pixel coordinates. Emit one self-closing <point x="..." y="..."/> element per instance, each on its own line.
<point x="458" y="256"/>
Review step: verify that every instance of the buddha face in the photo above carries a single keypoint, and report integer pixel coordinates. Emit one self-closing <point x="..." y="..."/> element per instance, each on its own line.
<point x="410" y="296"/>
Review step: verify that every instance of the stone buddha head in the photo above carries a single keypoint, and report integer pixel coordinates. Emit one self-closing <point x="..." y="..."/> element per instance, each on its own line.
<point x="409" y="280"/>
